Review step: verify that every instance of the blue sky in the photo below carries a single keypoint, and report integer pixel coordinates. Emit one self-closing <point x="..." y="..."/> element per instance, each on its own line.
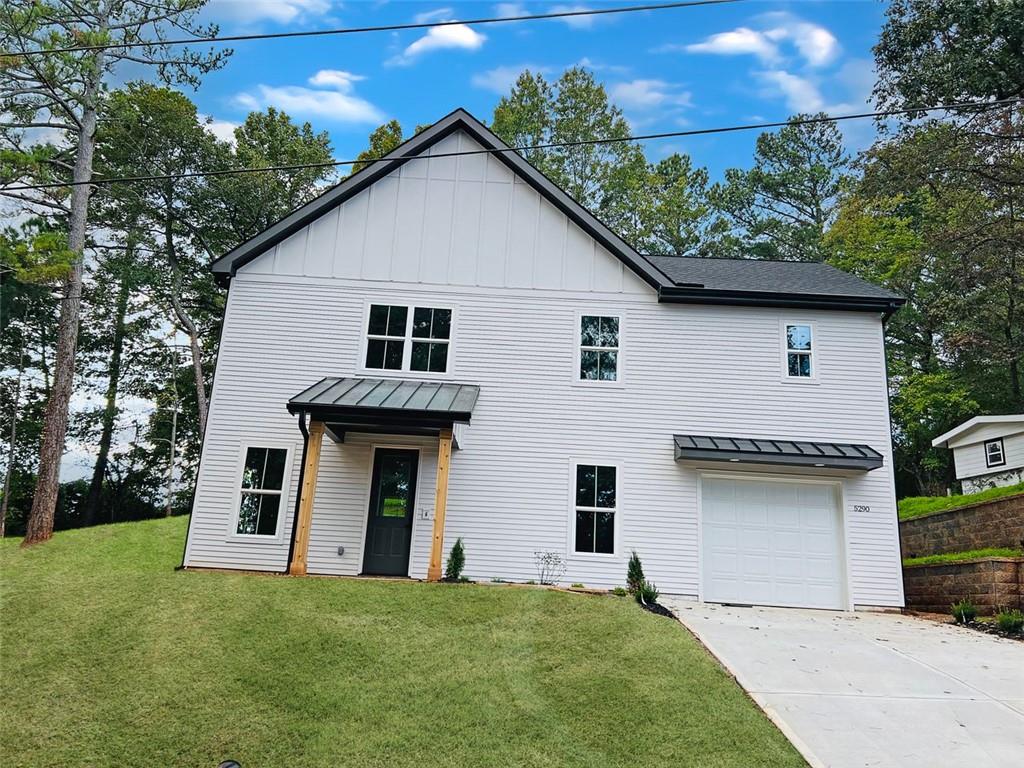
<point x="668" y="70"/>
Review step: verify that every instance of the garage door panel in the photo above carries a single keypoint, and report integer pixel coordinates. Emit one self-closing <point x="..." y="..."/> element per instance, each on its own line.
<point x="775" y="543"/>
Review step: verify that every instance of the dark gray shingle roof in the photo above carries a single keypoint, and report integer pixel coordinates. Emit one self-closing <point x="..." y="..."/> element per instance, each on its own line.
<point x="756" y="275"/>
<point x="791" y="452"/>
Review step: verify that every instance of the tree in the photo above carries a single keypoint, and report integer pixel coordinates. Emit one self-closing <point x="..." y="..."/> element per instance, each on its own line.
<point x="524" y="117"/>
<point x="678" y="219"/>
<point x="943" y="51"/>
<point x="63" y="93"/>
<point x="383" y="139"/>
<point x="781" y="208"/>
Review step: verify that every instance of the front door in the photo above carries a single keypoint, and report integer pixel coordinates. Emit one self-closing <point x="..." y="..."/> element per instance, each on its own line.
<point x="392" y="495"/>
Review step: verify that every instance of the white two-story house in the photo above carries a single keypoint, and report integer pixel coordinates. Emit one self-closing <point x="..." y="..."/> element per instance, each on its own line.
<point x="446" y="345"/>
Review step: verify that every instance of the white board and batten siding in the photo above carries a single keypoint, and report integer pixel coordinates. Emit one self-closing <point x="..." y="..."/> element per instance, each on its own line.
<point x="464" y="233"/>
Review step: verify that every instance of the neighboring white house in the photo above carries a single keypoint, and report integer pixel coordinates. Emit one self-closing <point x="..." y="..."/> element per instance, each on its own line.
<point x="489" y="361"/>
<point x="988" y="451"/>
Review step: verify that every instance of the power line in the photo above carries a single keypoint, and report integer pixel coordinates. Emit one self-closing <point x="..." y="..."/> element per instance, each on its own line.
<point x="383" y="28"/>
<point x="552" y="145"/>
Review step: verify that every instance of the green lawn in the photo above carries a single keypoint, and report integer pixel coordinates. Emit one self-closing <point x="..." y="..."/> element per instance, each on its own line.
<point x="110" y="657"/>
<point x="915" y="506"/>
<point x="958" y="557"/>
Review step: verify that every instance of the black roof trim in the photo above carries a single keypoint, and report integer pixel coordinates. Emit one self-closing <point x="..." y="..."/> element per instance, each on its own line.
<point x="226" y="266"/>
<point x="802" y="453"/>
<point x="690" y="295"/>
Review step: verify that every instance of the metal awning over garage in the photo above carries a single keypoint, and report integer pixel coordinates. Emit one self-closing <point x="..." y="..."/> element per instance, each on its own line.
<point x="797" y="453"/>
<point x="386" y="405"/>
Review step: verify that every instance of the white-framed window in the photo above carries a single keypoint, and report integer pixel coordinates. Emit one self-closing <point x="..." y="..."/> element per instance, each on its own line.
<point x="798" y="343"/>
<point x="261" y="506"/>
<point x="595" y="506"/>
<point x="400" y="337"/>
<point x="599" y="356"/>
<point x="995" y="454"/>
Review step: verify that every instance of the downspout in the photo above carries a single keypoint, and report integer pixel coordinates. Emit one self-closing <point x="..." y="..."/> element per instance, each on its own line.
<point x="298" y="496"/>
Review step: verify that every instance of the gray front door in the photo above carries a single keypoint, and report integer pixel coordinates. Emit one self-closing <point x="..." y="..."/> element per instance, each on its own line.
<point x="389" y="529"/>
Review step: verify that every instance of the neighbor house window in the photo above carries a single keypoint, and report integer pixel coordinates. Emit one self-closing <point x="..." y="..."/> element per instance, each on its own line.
<point x="262" y="480"/>
<point x="599" y="348"/>
<point x="595" y="508"/>
<point x="995" y="455"/>
<point x="799" y="352"/>
<point x="401" y="338"/>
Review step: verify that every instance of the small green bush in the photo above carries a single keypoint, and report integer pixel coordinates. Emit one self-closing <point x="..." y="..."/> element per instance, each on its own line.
<point x="577" y="585"/>
<point x="634" y="574"/>
<point x="1010" y="620"/>
<point x="964" y="611"/>
<point x="619" y="592"/>
<point x="456" y="562"/>
<point x="647" y="593"/>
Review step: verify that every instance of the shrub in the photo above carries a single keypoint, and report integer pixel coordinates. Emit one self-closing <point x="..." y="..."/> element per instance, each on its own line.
<point x="634" y="574"/>
<point x="647" y="593"/>
<point x="456" y="562"/>
<point x="550" y="567"/>
<point x="1010" y="620"/>
<point x="577" y="585"/>
<point x="964" y="611"/>
<point x="619" y="592"/>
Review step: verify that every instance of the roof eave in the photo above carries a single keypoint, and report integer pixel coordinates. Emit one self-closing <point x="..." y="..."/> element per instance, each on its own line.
<point x="686" y="295"/>
<point x="809" y="462"/>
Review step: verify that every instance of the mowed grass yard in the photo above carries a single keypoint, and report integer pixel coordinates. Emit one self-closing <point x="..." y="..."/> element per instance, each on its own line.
<point x="111" y="658"/>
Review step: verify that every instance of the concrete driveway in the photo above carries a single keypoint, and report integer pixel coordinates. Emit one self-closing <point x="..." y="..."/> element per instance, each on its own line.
<point x="873" y="689"/>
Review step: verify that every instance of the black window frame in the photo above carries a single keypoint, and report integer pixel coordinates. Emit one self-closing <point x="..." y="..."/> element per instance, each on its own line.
<point x="599" y="351"/>
<point x="1002" y="453"/>
<point x="600" y="513"/>
<point x="412" y="343"/>
<point x="246" y="491"/>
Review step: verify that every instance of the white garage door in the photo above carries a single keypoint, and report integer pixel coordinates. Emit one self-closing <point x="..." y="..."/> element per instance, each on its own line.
<point x="771" y="543"/>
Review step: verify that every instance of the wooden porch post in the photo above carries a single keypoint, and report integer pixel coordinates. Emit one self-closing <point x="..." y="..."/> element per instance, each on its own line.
<point x="444" y="459"/>
<point x="308" y="490"/>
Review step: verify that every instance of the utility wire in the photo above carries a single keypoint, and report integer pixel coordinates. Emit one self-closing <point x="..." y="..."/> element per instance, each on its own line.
<point x="520" y="149"/>
<point x="383" y="28"/>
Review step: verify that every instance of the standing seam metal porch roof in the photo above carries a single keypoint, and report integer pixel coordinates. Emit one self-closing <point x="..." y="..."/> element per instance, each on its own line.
<point x="803" y="453"/>
<point x="395" y="399"/>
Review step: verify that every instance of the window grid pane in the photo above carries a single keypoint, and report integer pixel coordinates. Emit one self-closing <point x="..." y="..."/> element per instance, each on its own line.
<point x="595" y="513"/>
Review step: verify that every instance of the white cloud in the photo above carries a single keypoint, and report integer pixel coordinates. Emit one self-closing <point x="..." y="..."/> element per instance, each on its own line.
<point x="739" y="41"/>
<point x="222" y="129"/>
<point x="457" y="36"/>
<point x="439" y="14"/>
<point x="280" y="11"/>
<point x="333" y="100"/>
<point x="816" y="45"/>
<point x="800" y="93"/>
<point x="506" y="10"/>
<point x="576" y="22"/>
<point x="500" y="79"/>
<point x="648" y="94"/>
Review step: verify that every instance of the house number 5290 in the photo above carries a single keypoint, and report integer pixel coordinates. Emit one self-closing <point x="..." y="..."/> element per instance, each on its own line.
<point x="861" y="508"/>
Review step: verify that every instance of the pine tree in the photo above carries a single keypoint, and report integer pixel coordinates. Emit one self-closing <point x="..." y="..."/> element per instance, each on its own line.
<point x="634" y="574"/>
<point x="456" y="562"/>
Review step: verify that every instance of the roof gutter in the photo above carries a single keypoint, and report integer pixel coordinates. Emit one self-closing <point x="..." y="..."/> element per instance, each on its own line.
<point x="686" y="295"/>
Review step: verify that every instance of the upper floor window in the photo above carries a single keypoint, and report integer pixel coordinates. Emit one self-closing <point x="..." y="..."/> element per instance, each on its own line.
<point x="398" y="339"/>
<point x="599" y="348"/>
<point x="799" y="351"/>
<point x="995" y="455"/>
<point x="259" y="510"/>
<point x="596" y="506"/>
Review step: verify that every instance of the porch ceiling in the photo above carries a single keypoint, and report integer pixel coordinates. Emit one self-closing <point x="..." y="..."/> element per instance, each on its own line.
<point x="351" y="404"/>
<point x="802" y="453"/>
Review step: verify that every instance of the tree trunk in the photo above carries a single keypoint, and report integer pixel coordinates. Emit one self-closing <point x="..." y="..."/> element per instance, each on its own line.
<point x="99" y="471"/>
<point x="10" y="450"/>
<point x="55" y="421"/>
<point x="187" y="325"/>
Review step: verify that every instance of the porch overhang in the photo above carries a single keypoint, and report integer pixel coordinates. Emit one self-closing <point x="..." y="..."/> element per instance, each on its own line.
<point x="390" y="406"/>
<point x="697" y="449"/>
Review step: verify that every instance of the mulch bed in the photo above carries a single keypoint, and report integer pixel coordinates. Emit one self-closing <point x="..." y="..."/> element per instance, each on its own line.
<point x="991" y="628"/>
<point x="659" y="609"/>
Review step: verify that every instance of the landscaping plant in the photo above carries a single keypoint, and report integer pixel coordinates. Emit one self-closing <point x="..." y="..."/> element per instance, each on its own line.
<point x="964" y="611"/>
<point x="550" y="567"/>
<point x="647" y="593"/>
<point x="456" y="562"/>
<point x="634" y="574"/>
<point x="1010" y="620"/>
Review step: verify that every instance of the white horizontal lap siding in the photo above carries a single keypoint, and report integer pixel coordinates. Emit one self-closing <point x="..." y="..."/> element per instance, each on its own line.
<point x="703" y="370"/>
<point x="970" y="459"/>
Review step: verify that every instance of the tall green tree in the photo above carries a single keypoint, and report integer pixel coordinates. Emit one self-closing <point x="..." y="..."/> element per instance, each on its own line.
<point x="383" y="139"/>
<point x="64" y="93"/>
<point x="781" y="207"/>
